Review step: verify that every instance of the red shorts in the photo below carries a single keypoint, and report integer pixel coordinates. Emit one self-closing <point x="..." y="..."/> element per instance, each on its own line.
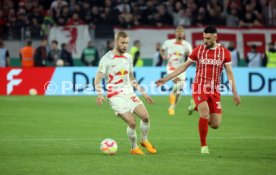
<point x="203" y="93"/>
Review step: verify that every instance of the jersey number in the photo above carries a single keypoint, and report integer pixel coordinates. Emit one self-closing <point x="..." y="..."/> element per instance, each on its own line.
<point x="134" y="99"/>
<point x="218" y="105"/>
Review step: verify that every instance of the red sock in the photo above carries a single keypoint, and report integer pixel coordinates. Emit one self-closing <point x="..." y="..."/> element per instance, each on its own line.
<point x="203" y="130"/>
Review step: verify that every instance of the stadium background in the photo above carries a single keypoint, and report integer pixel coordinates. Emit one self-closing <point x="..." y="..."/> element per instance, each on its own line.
<point x="61" y="134"/>
<point x="23" y="19"/>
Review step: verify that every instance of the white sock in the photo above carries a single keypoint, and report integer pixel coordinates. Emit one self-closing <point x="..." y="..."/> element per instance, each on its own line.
<point x="132" y="137"/>
<point x="178" y="87"/>
<point x="174" y="93"/>
<point x="172" y="106"/>
<point x="177" y="92"/>
<point x="144" y="129"/>
<point x="174" y="89"/>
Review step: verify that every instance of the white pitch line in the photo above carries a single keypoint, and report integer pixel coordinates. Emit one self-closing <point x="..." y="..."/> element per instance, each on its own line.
<point x="158" y="138"/>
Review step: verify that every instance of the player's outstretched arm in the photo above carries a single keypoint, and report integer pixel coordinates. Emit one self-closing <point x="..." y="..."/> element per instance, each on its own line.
<point x="98" y="87"/>
<point x="231" y="80"/>
<point x="140" y="88"/>
<point x="175" y="73"/>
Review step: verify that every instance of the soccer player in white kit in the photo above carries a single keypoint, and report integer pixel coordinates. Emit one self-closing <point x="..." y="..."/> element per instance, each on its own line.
<point x="176" y="50"/>
<point x="117" y="68"/>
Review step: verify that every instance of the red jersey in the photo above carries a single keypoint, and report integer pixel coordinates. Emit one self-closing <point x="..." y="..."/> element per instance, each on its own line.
<point x="209" y="63"/>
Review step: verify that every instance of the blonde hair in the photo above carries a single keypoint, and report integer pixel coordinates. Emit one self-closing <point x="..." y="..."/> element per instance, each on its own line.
<point x="121" y="34"/>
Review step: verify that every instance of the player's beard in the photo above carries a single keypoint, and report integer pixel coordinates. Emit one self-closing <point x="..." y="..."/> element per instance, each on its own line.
<point x="121" y="51"/>
<point x="211" y="45"/>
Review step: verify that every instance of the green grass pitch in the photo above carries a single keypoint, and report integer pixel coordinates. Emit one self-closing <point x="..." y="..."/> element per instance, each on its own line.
<point x="62" y="135"/>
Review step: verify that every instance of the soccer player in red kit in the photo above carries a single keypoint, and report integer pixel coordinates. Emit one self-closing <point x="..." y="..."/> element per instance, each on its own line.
<point x="210" y="58"/>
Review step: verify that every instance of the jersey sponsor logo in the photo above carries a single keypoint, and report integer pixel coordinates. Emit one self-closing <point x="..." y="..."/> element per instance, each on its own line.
<point x="210" y="61"/>
<point x="122" y="72"/>
<point x="178" y="54"/>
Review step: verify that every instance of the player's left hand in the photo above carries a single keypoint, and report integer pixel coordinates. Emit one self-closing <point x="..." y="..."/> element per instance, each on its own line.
<point x="148" y="98"/>
<point x="236" y="99"/>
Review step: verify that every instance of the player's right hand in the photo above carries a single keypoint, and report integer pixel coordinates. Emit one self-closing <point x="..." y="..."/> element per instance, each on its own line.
<point x="100" y="99"/>
<point x="160" y="82"/>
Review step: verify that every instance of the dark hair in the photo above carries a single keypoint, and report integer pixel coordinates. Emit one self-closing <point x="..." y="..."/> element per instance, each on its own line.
<point x="210" y="29"/>
<point x="1" y="43"/>
<point x="136" y="42"/>
<point x="44" y="39"/>
<point x="55" y="41"/>
<point x="29" y="42"/>
<point x="63" y="45"/>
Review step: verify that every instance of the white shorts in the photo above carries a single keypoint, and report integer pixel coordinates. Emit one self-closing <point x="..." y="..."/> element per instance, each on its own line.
<point x="124" y="103"/>
<point x="180" y="76"/>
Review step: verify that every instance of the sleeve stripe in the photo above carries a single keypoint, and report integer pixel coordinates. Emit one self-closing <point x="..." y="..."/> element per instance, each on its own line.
<point x="228" y="62"/>
<point x="191" y="60"/>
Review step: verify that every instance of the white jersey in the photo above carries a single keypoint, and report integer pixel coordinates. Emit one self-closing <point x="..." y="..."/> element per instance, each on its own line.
<point x="176" y="52"/>
<point x="116" y="69"/>
<point x="234" y="57"/>
<point x="255" y="59"/>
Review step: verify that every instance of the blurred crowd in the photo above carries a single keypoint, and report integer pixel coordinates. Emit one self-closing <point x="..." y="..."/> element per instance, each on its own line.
<point x="37" y="16"/>
<point x="43" y="56"/>
<point x="34" y="18"/>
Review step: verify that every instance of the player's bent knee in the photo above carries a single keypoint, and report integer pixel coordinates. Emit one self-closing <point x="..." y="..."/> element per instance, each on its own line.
<point x="204" y="115"/>
<point x="176" y="80"/>
<point x="214" y="126"/>
<point x="132" y="124"/>
<point x="144" y="117"/>
<point x="203" y="111"/>
<point x="145" y="120"/>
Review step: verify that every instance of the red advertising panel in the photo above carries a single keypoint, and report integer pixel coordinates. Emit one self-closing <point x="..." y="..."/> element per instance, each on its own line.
<point x="18" y="81"/>
<point x="172" y="36"/>
<point x="226" y="37"/>
<point x="222" y="37"/>
<point x="250" y="39"/>
<point x="196" y="37"/>
<point x="273" y="38"/>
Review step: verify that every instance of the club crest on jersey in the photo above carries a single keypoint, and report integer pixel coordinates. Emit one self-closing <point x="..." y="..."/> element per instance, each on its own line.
<point x="218" y="55"/>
